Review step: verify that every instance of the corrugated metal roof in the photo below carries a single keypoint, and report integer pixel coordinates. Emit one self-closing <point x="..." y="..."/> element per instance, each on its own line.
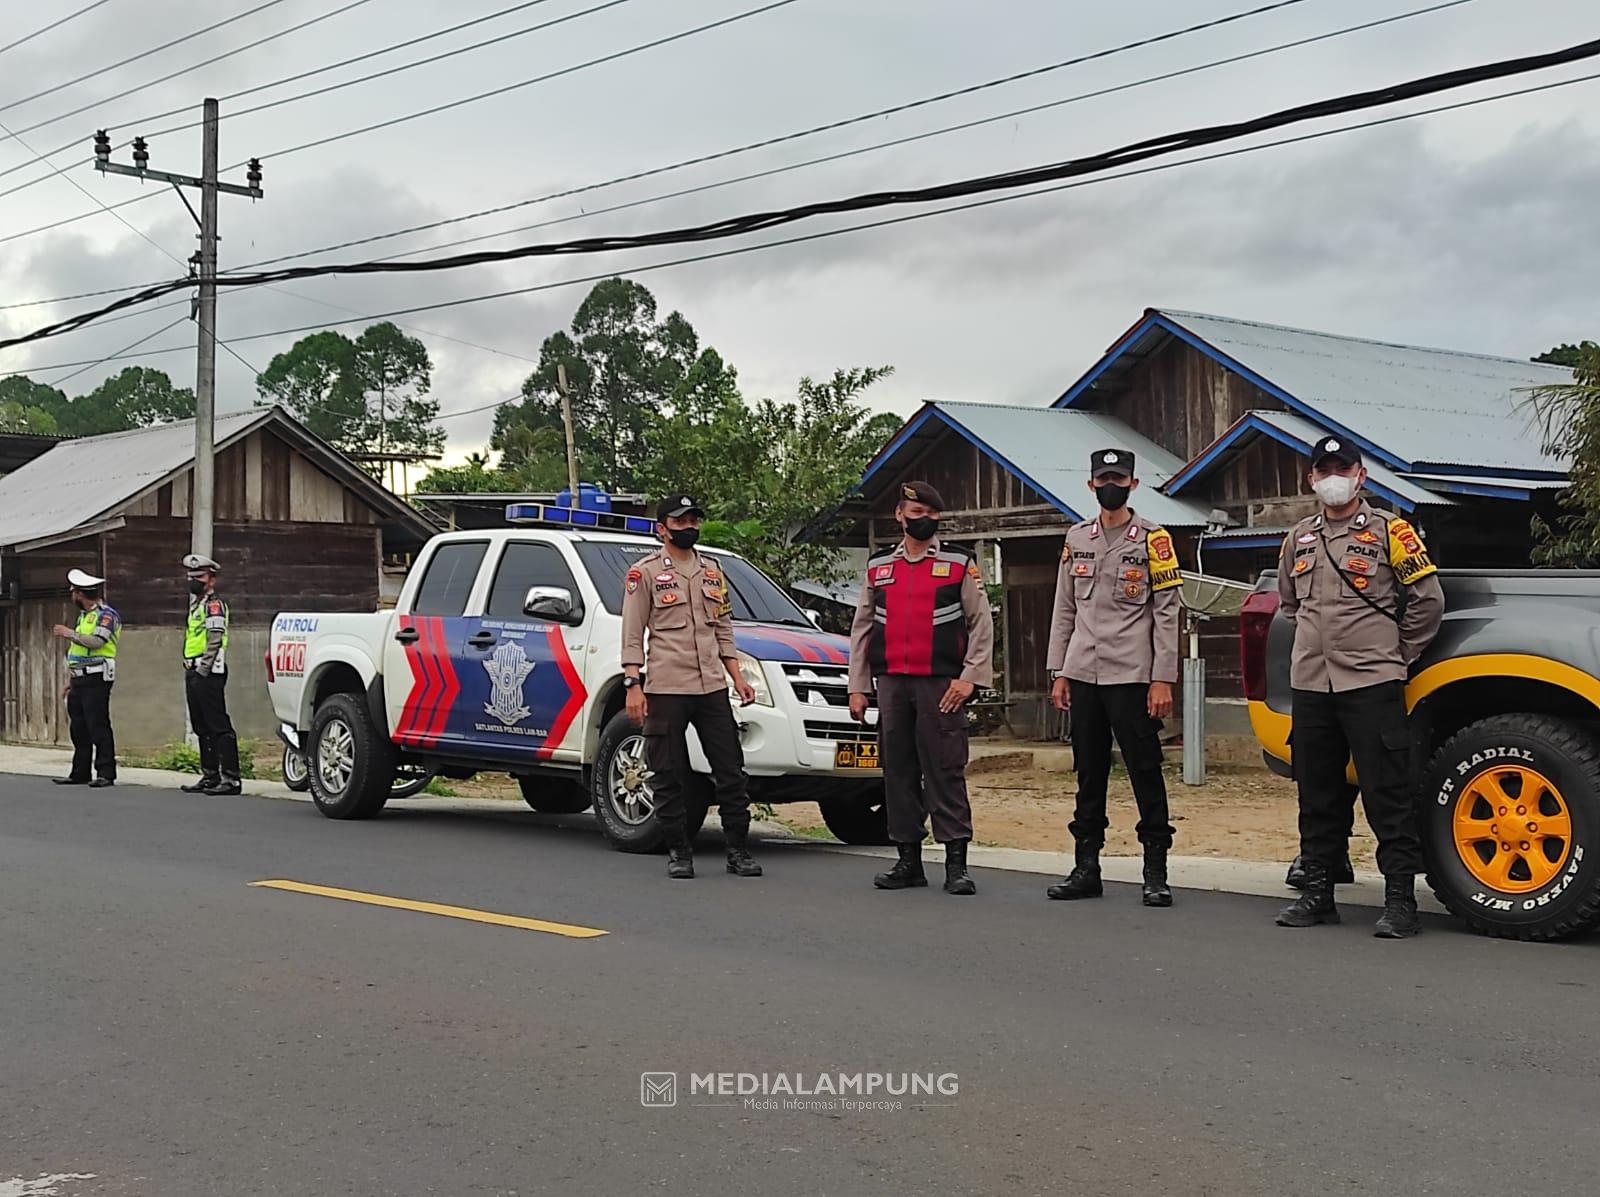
<point x="1493" y="480"/>
<point x="1306" y="434"/>
<point x="80" y="480"/>
<point x="1050" y="448"/>
<point x="1421" y="405"/>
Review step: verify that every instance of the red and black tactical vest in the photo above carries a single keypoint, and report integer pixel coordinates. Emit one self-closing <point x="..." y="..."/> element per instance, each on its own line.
<point x="918" y="625"/>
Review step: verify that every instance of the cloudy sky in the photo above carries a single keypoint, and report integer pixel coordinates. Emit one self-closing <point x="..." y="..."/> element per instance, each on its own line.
<point x="1470" y="230"/>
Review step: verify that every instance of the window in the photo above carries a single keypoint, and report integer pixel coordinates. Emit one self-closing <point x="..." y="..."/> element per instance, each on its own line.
<point x="524" y="565"/>
<point x="754" y="595"/>
<point x="451" y="572"/>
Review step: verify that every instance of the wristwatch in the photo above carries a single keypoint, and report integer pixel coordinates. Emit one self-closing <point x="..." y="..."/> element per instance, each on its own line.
<point x="629" y="683"/>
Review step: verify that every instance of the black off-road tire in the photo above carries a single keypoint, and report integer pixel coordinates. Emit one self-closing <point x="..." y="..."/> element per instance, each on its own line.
<point x="296" y="770"/>
<point x="371" y="765"/>
<point x="554" y="795"/>
<point x="1568" y="757"/>
<point x="621" y="833"/>
<point x="858" y="819"/>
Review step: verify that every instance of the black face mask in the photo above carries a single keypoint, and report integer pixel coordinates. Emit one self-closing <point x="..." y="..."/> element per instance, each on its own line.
<point x="196" y="586"/>
<point x="684" y="538"/>
<point x="924" y="527"/>
<point x="1112" y="496"/>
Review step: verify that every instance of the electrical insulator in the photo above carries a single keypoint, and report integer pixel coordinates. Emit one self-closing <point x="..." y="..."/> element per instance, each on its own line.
<point x="253" y="175"/>
<point x="141" y="153"/>
<point x="102" y="147"/>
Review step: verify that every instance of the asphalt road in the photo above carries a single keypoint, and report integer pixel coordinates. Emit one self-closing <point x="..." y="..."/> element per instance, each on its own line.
<point x="169" y="1029"/>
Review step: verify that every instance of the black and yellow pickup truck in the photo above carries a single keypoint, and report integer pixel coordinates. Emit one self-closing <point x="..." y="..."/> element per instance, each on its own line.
<point x="1505" y="731"/>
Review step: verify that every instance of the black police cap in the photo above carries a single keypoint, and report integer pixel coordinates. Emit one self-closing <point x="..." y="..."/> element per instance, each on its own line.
<point x="679" y="504"/>
<point x="1336" y="448"/>
<point x="1110" y="461"/>
<point x="921" y="492"/>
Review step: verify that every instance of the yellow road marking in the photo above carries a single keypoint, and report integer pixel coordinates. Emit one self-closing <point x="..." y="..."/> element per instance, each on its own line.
<point x="449" y="912"/>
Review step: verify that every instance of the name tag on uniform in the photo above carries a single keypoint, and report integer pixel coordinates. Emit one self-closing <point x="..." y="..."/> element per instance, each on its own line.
<point x="883" y="575"/>
<point x="941" y="569"/>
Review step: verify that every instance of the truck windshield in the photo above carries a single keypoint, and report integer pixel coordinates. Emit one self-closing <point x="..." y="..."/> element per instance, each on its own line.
<point x="755" y="596"/>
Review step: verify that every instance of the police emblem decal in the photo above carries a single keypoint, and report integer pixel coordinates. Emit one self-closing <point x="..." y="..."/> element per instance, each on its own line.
<point x="508" y="668"/>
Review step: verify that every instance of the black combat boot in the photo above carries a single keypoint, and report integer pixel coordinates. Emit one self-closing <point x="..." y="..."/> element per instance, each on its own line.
<point x="680" y="860"/>
<point x="907" y="872"/>
<point x="1084" y="880"/>
<point x="1399" y="919"/>
<point x="1315" y="905"/>
<point x="1156" y="890"/>
<point x="1344" y="873"/>
<point x="956" y="880"/>
<point x="740" y="862"/>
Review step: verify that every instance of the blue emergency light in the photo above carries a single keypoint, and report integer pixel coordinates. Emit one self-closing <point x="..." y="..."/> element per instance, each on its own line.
<point x="550" y="514"/>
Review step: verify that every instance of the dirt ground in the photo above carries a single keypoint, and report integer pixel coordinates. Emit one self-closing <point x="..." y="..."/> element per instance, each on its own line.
<point x="1248" y="814"/>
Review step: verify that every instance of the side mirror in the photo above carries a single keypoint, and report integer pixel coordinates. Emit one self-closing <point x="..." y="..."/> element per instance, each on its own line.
<point x="815" y="617"/>
<point x="555" y="603"/>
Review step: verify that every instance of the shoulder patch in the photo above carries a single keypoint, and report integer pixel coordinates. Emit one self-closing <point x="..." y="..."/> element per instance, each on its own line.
<point x="1163" y="559"/>
<point x="1408" y="556"/>
<point x="214" y="606"/>
<point x="635" y="576"/>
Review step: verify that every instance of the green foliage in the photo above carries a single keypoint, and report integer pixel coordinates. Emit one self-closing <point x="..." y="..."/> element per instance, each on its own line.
<point x="655" y="411"/>
<point x="440" y="788"/>
<point x="180" y="758"/>
<point x="1570" y="415"/>
<point x="134" y="398"/>
<point x="1569" y="356"/>
<point x="368" y="395"/>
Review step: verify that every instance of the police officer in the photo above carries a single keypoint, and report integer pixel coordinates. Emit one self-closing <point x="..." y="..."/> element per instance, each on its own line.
<point x="1365" y="601"/>
<point x="681" y="599"/>
<point x="91" y="670"/>
<point x="1113" y="658"/>
<point x="923" y="633"/>
<point x="205" y="662"/>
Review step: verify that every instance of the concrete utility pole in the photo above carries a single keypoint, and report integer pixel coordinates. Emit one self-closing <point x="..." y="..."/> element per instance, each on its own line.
<point x="203" y="508"/>
<point x="566" y="418"/>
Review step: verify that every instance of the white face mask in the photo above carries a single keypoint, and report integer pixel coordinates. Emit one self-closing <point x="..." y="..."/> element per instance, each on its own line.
<point x="1336" y="490"/>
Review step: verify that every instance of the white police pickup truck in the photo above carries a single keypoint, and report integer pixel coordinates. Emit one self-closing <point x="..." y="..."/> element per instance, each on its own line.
<point x="503" y="654"/>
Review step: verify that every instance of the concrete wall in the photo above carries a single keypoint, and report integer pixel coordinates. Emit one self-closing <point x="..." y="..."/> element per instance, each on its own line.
<point x="147" y="706"/>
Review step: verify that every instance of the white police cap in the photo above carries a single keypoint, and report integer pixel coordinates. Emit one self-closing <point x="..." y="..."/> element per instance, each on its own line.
<point x="195" y="561"/>
<point x="79" y="580"/>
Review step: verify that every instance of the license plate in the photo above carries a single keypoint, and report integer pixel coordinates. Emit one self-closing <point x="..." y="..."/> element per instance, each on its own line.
<point x="855" y="756"/>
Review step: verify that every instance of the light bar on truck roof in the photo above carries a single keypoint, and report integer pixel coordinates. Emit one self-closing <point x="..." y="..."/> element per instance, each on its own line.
<point x="551" y="515"/>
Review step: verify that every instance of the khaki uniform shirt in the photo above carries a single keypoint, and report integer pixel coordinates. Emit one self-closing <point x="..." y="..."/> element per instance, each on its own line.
<point x="1340" y="641"/>
<point x="1117" y="603"/>
<point x="683" y="602"/>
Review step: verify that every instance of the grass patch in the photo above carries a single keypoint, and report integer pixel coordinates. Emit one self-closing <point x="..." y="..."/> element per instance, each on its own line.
<point x="440" y="788"/>
<point x="812" y="833"/>
<point x="180" y="758"/>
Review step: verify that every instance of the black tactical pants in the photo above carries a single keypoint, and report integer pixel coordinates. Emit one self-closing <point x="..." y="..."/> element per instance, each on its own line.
<point x="667" y="753"/>
<point x="924" y="757"/>
<point x="1098" y="714"/>
<point x="94" y="748"/>
<point x="1368" y="726"/>
<point x="208" y="715"/>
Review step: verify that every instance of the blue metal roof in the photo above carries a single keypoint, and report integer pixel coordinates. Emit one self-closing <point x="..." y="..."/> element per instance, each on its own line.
<point x="1404" y="405"/>
<point x="1300" y="434"/>
<point x="1049" y="448"/>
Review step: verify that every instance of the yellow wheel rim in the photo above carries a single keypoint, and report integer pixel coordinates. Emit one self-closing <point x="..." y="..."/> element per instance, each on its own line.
<point x="1512" y="829"/>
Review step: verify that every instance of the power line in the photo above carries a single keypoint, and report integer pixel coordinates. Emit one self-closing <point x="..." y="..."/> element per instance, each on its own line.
<point x="908" y="218"/>
<point x="268" y="86"/>
<point x="111" y="357"/>
<point x="178" y="41"/>
<point x="438" y="108"/>
<point x="171" y="75"/>
<point x="827" y="158"/>
<point x="56" y="24"/>
<point x="830" y="126"/>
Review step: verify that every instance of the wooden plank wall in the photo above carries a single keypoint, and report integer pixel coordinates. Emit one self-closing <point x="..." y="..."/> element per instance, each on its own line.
<point x="1183" y="400"/>
<point x="970" y="481"/>
<point x="266" y="568"/>
<point x="264" y="478"/>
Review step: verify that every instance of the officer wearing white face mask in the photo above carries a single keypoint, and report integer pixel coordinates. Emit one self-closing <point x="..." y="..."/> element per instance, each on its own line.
<point x="1364" y="597"/>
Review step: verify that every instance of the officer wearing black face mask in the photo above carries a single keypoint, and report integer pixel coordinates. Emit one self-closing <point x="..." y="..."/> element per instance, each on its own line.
<point x="680" y="680"/>
<point x="205" y="664"/>
<point x="924" y="636"/>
